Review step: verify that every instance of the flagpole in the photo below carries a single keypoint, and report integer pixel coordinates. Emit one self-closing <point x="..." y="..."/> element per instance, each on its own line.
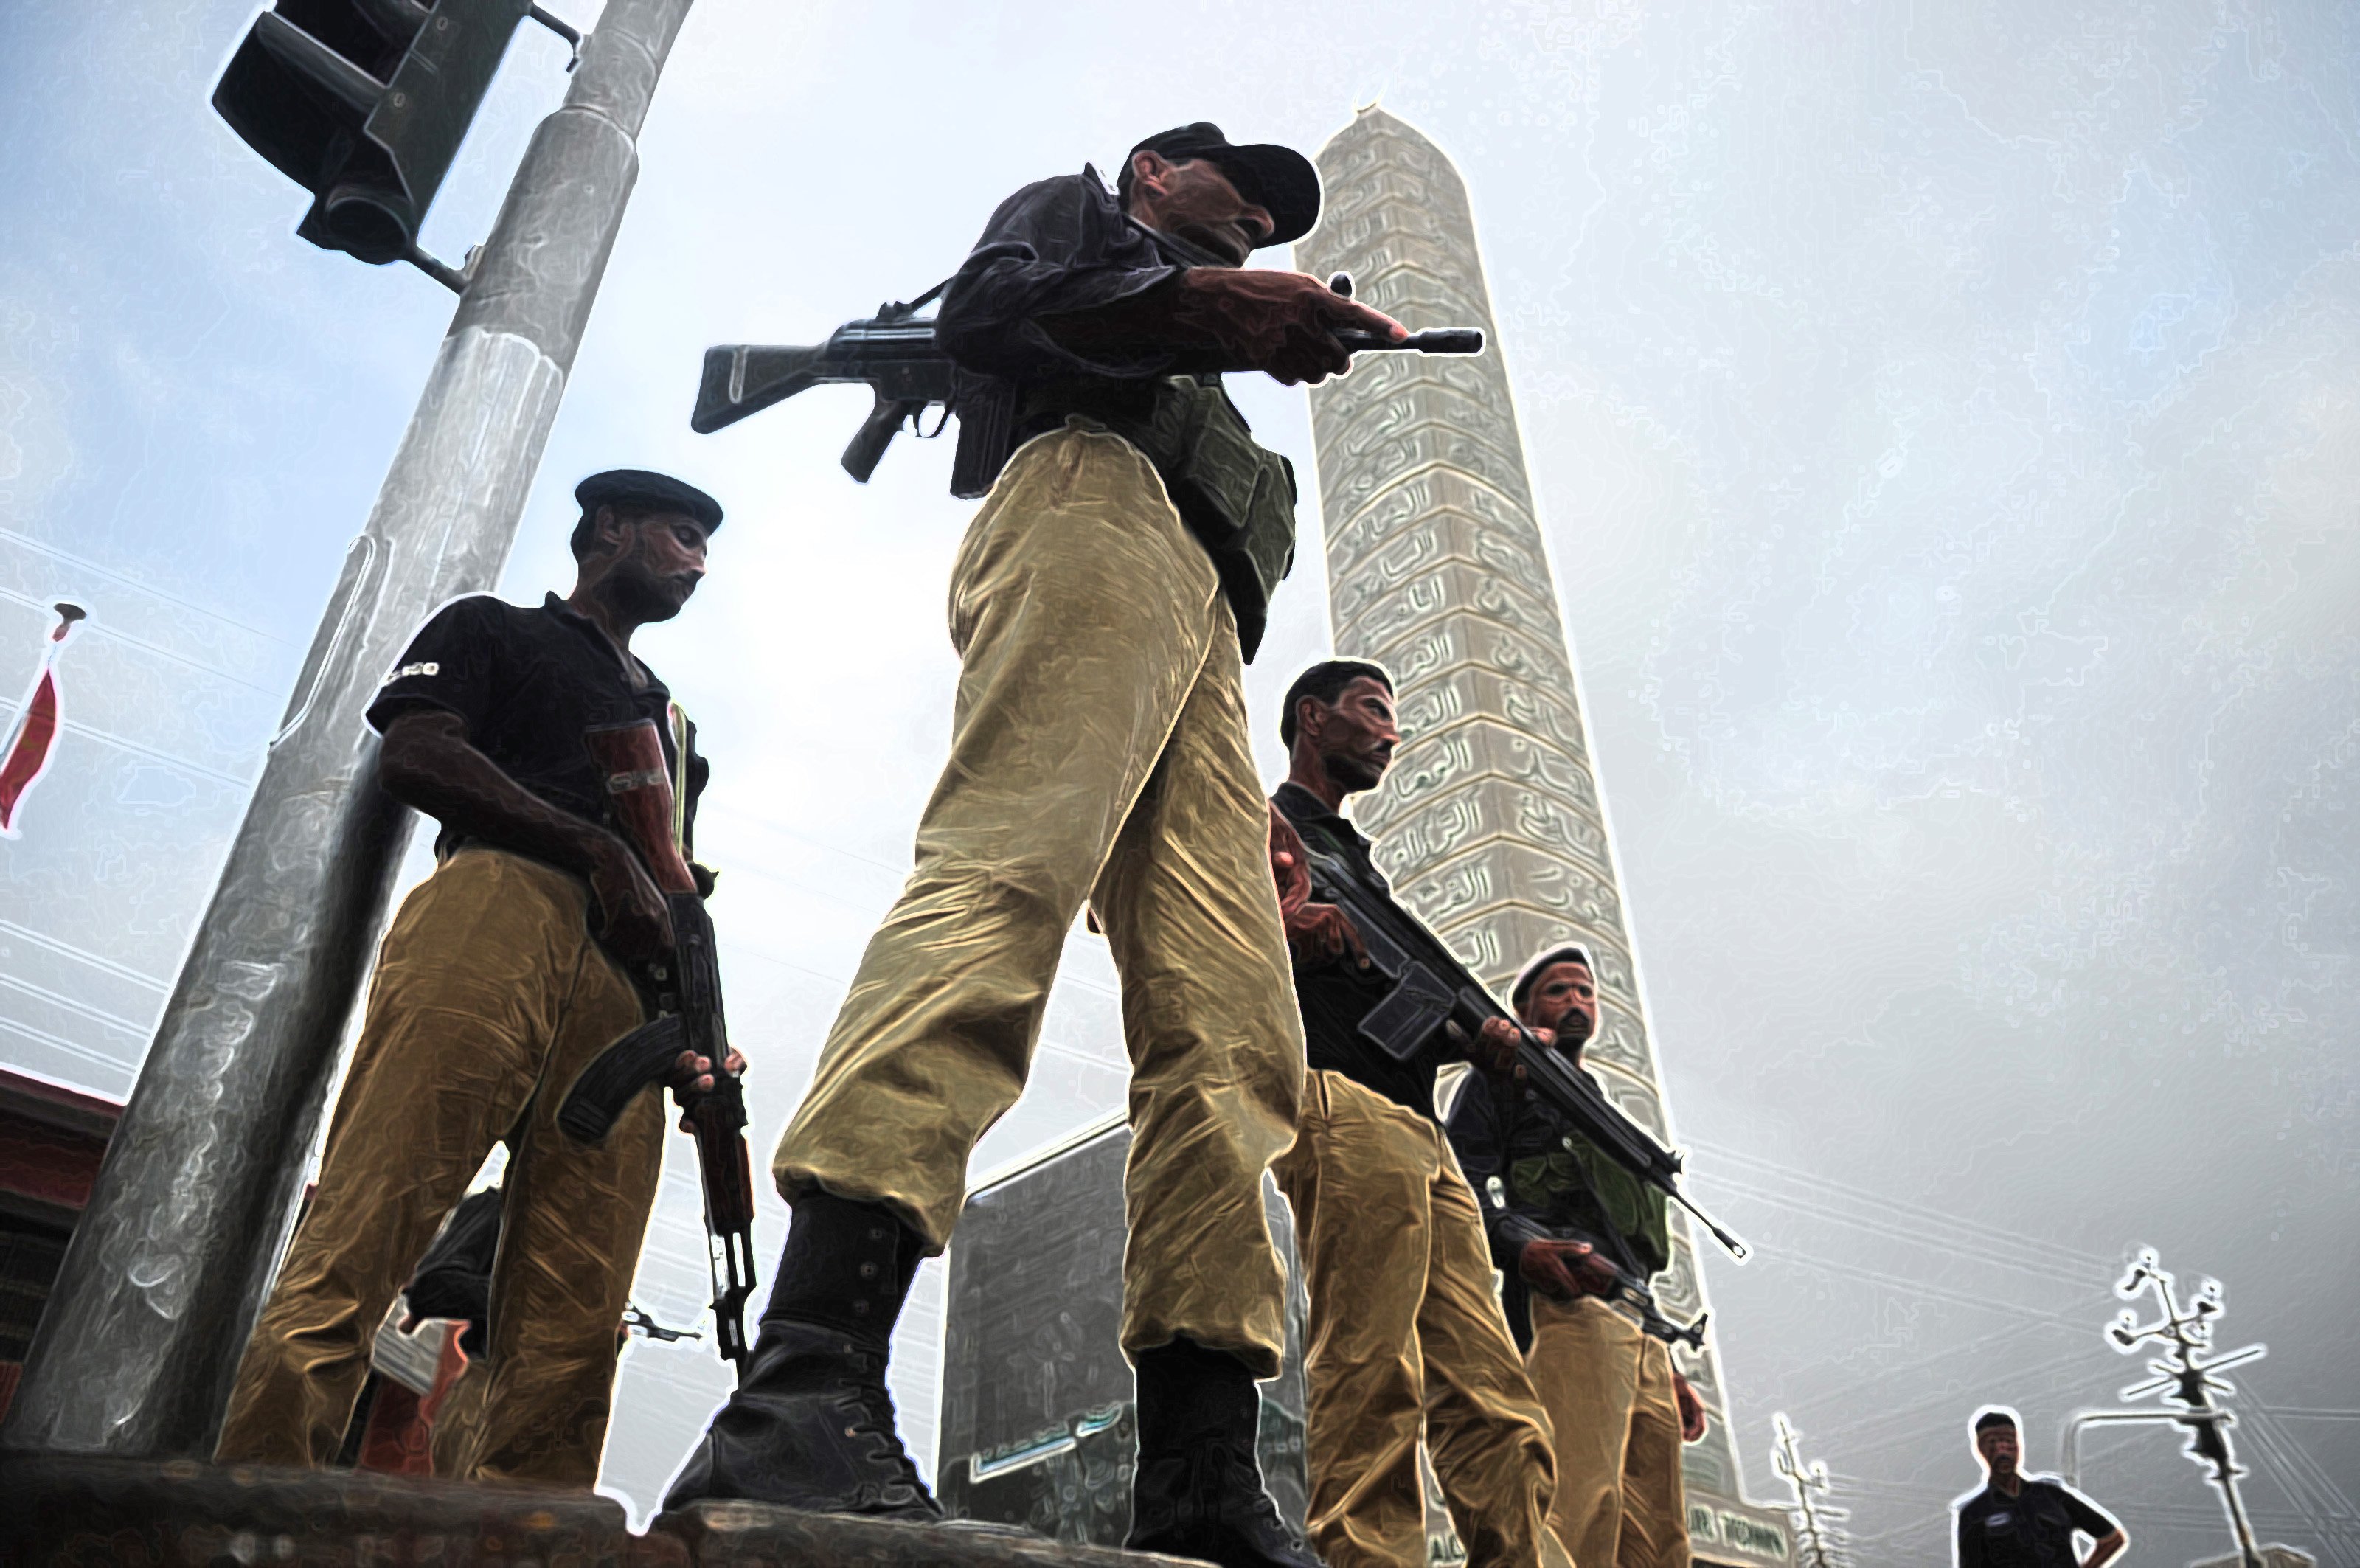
<point x="32" y="691"/>
<point x="67" y="614"/>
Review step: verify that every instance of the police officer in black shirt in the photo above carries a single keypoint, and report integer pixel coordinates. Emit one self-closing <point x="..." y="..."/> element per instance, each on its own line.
<point x="1405" y="1335"/>
<point x="497" y="982"/>
<point x="2026" y="1521"/>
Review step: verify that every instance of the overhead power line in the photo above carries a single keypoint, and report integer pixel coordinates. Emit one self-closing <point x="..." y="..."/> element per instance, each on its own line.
<point x="1932" y="1220"/>
<point x="84" y="563"/>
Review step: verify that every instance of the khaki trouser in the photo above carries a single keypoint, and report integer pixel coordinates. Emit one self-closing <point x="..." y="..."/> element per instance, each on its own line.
<point x="1405" y="1333"/>
<point x="1098" y="752"/>
<point x="1608" y="1387"/>
<point x="489" y="999"/>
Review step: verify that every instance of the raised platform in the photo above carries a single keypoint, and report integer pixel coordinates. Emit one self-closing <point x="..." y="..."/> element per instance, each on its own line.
<point x="62" y="1512"/>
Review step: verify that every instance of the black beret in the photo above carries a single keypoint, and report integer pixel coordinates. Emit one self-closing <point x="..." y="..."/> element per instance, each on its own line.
<point x="1529" y="976"/>
<point x="652" y="492"/>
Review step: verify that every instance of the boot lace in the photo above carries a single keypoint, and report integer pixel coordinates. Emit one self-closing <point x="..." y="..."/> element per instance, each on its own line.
<point x="866" y="1397"/>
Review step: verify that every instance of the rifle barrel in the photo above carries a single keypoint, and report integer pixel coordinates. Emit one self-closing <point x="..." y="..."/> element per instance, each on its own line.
<point x="1438" y="340"/>
<point x="1638" y="1152"/>
<point x="896" y="354"/>
<point x="1389" y="930"/>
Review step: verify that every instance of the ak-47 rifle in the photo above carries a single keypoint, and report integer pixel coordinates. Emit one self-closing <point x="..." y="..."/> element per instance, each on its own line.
<point x="893" y="353"/>
<point x="1432" y="991"/>
<point x="685" y="986"/>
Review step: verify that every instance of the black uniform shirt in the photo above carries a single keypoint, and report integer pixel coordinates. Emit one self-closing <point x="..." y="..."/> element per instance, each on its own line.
<point x="1064" y="245"/>
<point x="1057" y="246"/>
<point x="528" y="683"/>
<point x="2032" y="1530"/>
<point x="1535" y="1175"/>
<point x="1337" y="993"/>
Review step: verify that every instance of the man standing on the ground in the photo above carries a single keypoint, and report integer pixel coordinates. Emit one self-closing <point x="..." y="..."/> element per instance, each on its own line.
<point x="1098" y="755"/>
<point x="2026" y="1521"/>
<point x="497" y="983"/>
<point x="1404" y="1335"/>
<point x="1563" y="1217"/>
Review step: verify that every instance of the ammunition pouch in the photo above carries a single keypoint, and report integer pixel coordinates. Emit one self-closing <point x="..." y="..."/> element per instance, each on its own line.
<point x="1235" y="496"/>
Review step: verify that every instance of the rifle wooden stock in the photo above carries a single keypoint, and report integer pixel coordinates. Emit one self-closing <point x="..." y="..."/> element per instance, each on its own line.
<point x="685" y="988"/>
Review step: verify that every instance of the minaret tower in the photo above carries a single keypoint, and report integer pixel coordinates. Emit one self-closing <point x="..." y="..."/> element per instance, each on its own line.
<point x="1490" y="823"/>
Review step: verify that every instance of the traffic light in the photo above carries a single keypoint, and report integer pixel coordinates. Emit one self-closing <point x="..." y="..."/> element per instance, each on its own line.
<point x="363" y="104"/>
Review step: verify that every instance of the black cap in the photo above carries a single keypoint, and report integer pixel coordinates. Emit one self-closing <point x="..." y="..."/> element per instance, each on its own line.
<point x="1994" y="1417"/>
<point x="1273" y="177"/>
<point x="652" y="492"/>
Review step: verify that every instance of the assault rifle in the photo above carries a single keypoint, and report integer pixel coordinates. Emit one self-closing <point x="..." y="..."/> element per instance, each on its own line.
<point x="1652" y="1320"/>
<point x="686" y="991"/>
<point x="894" y="354"/>
<point x="1626" y="1283"/>
<point x="1432" y="991"/>
<point x="637" y="1320"/>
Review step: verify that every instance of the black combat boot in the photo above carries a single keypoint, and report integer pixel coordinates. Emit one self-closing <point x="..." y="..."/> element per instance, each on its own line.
<point x="1197" y="1491"/>
<point x="811" y="1425"/>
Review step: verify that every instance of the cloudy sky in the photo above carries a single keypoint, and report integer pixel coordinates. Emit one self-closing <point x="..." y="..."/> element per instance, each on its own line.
<point x="1944" y="419"/>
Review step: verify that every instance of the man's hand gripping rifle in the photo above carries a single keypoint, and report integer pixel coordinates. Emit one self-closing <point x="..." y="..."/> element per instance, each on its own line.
<point x="685" y="988"/>
<point x="1633" y="1291"/>
<point x="1432" y="991"/>
<point x="1606" y="1270"/>
<point x="894" y="354"/>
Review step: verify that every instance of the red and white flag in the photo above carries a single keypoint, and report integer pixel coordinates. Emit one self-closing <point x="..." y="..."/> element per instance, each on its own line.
<point x="32" y="738"/>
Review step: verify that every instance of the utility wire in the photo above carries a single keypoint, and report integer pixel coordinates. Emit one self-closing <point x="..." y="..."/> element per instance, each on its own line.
<point x="1923" y="1219"/>
<point x="1908" y="1232"/>
<point x="115" y="634"/>
<point x="2305" y="1483"/>
<point x="85" y="563"/>
<point x="1918" y="1288"/>
<point x="1899" y="1369"/>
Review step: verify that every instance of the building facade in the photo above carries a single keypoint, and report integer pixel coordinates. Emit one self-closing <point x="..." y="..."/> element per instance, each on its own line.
<point x="1490" y="823"/>
<point x="51" y="1141"/>
<point x="1038" y="1428"/>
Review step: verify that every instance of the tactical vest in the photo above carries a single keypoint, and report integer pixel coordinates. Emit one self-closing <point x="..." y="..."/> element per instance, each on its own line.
<point x="1578" y="1181"/>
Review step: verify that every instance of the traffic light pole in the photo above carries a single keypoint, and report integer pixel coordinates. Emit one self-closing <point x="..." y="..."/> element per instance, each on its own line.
<point x="159" y="1287"/>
